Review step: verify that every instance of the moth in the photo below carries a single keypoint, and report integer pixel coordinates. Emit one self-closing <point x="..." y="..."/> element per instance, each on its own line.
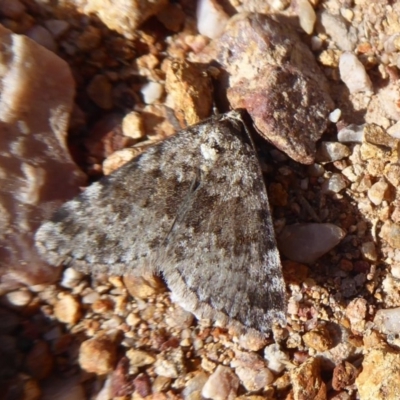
<point x="193" y="209"/>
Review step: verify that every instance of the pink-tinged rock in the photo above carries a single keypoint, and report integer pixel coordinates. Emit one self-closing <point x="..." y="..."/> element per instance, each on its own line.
<point x="305" y="243"/>
<point x="36" y="170"/>
<point x="274" y="76"/>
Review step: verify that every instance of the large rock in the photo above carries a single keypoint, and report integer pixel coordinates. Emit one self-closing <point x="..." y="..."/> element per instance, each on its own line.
<point x="274" y="76"/>
<point x="36" y="170"/>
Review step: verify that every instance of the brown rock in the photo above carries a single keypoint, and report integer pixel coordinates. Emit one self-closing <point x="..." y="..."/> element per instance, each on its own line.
<point x="344" y="375"/>
<point x="275" y="77"/>
<point x="67" y="309"/>
<point x="134" y="11"/>
<point x="190" y="89"/>
<point x="39" y="361"/>
<point x="36" y="101"/>
<point x="221" y="385"/>
<point x="318" y="339"/>
<point x="307" y="382"/>
<point x="391" y="233"/>
<point x="139" y="358"/>
<point x="380" y="375"/>
<point x="143" y="287"/>
<point x="98" y="355"/>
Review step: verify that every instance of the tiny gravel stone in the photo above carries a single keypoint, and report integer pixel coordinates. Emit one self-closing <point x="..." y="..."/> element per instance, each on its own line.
<point x="394" y="130"/>
<point x="67" y="309"/>
<point x="305" y="243"/>
<point x="344" y="375"/>
<point x="43" y="37"/>
<point x="378" y="192"/>
<point x="307" y="382"/>
<point x="331" y="151"/>
<point x="132" y="125"/>
<point x="391" y="233"/>
<point x="138" y="358"/>
<point x="211" y="18"/>
<point x="142" y="385"/>
<point x="221" y="385"/>
<point x="144" y="286"/>
<point x="71" y="278"/>
<point x="194" y="386"/>
<point x="152" y="92"/>
<point x="335" y="27"/>
<point x="353" y="73"/>
<point x="57" y="27"/>
<point x="335" y="115"/>
<point x="388" y="321"/>
<point x="356" y="312"/>
<point x="12" y="9"/>
<point x="380" y="375"/>
<point x="306" y="14"/>
<point x="190" y="89"/>
<point x="170" y="363"/>
<point x="368" y="250"/>
<point x="377" y="135"/>
<point x="179" y="318"/>
<point x="98" y="355"/>
<point x="19" y="298"/>
<point x="276" y="358"/>
<point x="99" y="91"/>
<point x="254" y="379"/>
<point x="318" y="339"/>
<point x="351" y="134"/>
<point x="334" y="184"/>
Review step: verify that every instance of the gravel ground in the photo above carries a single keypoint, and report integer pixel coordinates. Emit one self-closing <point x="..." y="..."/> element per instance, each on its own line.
<point x="143" y="72"/>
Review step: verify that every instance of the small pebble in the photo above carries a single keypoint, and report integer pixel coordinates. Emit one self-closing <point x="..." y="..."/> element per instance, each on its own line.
<point x="332" y="151"/>
<point x="387" y="321"/>
<point x="132" y="125"/>
<point x="194" y="386"/>
<point x="170" y="363"/>
<point x="71" y="278"/>
<point x="276" y="358"/>
<point x="57" y="27"/>
<point x="353" y="74"/>
<point x="335" y="115"/>
<point x="307" y="382"/>
<point x="98" y="355"/>
<point x="221" y="385"/>
<point x="67" y="309"/>
<point x="42" y="36"/>
<point x="152" y="92"/>
<point x="334" y="184"/>
<point x="99" y="91"/>
<point x="306" y="15"/>
<point x="211" y="18"/>
<point x="351" y="134"/>
<point x="305" y="243"/>
<point x="378" y="192"/>
<point x="368" y="250"/>
<point x="12" y="9"/>
<point x="19" y="298"/>
<point x="138" y="358"/>
<point x="254" y="379"/>
<point x="318" y="339"/>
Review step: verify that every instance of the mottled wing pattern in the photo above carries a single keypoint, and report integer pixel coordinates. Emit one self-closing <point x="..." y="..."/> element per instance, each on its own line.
<point x="193" y="208"/>
<point x="221" y="260"/>
<point x="119" y="224"/>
